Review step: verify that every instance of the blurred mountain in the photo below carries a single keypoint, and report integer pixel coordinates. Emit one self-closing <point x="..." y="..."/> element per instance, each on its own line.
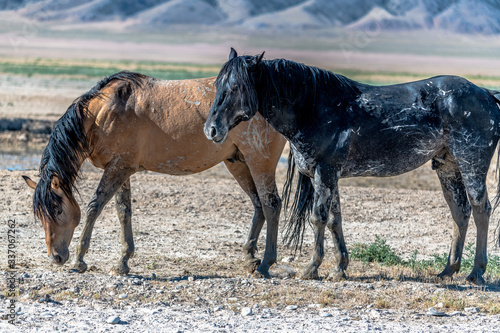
<point x="460" y="16"/>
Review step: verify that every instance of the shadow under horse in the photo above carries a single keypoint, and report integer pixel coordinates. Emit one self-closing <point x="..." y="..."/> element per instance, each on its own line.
<point x="130" y="122"/>
<point x="341" y="128"/>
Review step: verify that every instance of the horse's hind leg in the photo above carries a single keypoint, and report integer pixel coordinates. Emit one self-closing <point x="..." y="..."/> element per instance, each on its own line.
<point x="340" y="249"/>
<point x="473" y="164"/>
<point x="242" y="174"/>
<point x="481" y="209"/>
<point x="124" y="211"/>
<point x="324" y="185"/>
<point x="456" y="197"/>
<point x="111" y="181"/>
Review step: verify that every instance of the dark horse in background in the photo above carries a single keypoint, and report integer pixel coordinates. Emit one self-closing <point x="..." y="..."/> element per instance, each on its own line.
<point x="341" y="128"/>
<point x="131" y="122"/>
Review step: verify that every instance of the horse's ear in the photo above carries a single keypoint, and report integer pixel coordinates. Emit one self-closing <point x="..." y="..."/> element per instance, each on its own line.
<point x="259" y="58"/>
<point x="233" y="54"/>
<point x="29" y="182"/>
<point x="256" y="60"/>
<point x="55" y="183"/>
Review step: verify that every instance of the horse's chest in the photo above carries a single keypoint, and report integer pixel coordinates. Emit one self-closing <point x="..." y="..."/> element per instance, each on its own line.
<point x="303" y="159"/>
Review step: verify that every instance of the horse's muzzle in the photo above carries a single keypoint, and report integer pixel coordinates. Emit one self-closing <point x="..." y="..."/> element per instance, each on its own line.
<point x="215" y="135"/>
<point x="59" y="259"/>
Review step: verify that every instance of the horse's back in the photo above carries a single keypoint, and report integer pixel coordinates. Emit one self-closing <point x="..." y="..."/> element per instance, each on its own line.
<point x="158" y="126"/>
<point x="400" y="127"/>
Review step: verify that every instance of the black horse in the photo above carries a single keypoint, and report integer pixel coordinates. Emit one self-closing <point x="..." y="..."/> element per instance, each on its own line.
<point x="341" y="128"/>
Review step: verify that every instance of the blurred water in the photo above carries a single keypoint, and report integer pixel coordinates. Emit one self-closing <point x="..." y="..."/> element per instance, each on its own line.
<point x="19" y="161"/>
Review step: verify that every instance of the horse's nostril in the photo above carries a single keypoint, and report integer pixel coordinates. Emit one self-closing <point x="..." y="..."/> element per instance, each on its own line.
<point x="213" y="132"/>
<point x="57" y="258"/>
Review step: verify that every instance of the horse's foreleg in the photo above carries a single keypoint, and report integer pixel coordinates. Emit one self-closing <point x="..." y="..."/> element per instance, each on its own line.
<point x="241" y="173"/>
<point x="340" y="249"/>
<point x="323" y="187"/>
<point x="456" y="197"/>
<point x="124" y="211"/>
<point x="271" y="205"/>
<point x="111" y="181"/>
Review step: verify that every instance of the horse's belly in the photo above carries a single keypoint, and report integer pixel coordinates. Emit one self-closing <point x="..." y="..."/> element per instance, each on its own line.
<point x="185" y="159"/>
<point x="388" y="162"/>
<point x="381" y="168"/>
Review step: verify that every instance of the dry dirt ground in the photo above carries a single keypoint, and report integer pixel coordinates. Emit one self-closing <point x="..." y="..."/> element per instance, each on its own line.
<point x="188" y="273"/>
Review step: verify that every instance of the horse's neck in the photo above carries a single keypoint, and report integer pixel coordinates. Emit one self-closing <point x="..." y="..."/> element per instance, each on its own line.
<point x="283" y="115"/>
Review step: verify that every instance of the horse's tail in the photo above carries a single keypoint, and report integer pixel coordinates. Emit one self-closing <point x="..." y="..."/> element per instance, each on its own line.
<point x="301" y="207"/>
<point x="496" y="200"/>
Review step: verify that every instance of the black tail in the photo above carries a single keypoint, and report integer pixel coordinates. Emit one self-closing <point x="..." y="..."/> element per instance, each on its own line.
<point x="301" y="207"/>
<point x="496" y="199"/>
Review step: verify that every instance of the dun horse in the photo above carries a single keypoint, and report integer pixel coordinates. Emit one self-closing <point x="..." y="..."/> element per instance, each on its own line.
<point x="131" y="122"/>
<point x="341" y="128"/>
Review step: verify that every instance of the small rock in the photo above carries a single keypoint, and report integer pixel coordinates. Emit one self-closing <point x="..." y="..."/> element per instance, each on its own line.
<point x="326" y="314"/>
<point x="374" y="314"/>
<point x="472" y="310"/>
<point x="44" y="299"/>
<point x="246" y="311"/>
<point x="23" y="137"/>
<point x="435" y="313"/>
<point x="292" y="307"/>
<point x="232" y="299"/>
<point x="25" y="275"/>
<point x="439" y="305"/>
<point x="123" y="296"/>
<point x="456" y="313"/>
<point x="315" y="306"/>
<point x="113" y="320"/>
<point x="287" y="259"/>
<point x="190" y="278"/>
<point x="47" y="315"/>
<point x="218" y="308"/>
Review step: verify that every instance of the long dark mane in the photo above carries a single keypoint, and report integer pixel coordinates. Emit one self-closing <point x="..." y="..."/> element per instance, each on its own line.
<point x="68" y="145"/>
<point x="286" y="81"/>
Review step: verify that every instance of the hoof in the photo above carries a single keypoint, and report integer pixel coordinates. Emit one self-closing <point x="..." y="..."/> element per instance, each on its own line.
<point x="310" y="273"/>
<point x="445" y="276"/>
<point x="448" y="272"/>
<point x="261" y="273"/>
<point x="252" y="264"/>
<point x="476" y="278"/>
<point x="337" y="276"/>
<point x="78" y="267"/>
<point x="122" y="269"/>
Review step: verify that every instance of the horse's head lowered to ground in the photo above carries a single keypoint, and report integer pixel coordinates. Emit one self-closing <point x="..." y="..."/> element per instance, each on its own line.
<point x="59" y="213"/>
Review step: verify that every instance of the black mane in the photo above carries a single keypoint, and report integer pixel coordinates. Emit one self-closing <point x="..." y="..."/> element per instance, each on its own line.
<point x="67" y="145"/>
<point x="284" y="82"/>
<point x="310" y="81"/>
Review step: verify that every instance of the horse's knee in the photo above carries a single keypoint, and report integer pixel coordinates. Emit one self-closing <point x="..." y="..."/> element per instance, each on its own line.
<point x="480" y="203"/>
<point x="273" y="202"/>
